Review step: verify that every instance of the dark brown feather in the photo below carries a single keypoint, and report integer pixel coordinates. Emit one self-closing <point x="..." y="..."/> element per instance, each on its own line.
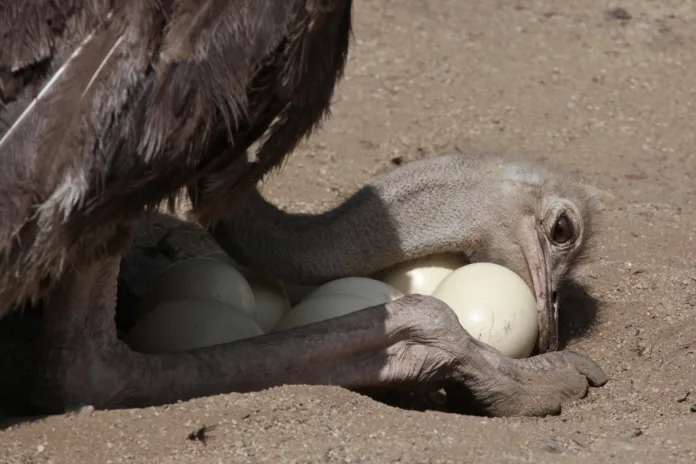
<point x="163" y="94"/>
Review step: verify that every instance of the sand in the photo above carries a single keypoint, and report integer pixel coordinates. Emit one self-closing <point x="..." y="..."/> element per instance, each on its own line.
<point x="608" y="100"/>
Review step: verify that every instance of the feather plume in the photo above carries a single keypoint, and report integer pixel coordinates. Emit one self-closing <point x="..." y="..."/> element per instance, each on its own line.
<point x="112" y="107"/>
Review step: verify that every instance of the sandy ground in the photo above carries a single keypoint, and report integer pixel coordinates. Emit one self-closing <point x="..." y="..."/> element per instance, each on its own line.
<point x="605" y="99"/>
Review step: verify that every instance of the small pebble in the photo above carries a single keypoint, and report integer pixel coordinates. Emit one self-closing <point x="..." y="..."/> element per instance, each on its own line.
<point x="579" y="440"/>
<point x="632" y="434"/>
<point x="553" y="447"/>
<point x="619" y="13"/>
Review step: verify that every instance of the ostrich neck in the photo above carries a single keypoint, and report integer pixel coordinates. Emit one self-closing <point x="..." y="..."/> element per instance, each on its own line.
<point x="416" y="210"/>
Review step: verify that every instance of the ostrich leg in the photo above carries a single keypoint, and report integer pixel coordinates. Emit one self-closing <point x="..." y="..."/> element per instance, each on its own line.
<point x="412" y="341"/>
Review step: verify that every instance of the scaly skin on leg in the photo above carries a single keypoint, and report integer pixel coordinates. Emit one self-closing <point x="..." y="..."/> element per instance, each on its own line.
<point x="79" y="349"/>
<point x="412" y="341"/>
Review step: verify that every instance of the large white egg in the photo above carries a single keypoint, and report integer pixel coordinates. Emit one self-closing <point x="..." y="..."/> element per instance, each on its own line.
<point x="270" y="295"/>
<point x="225" y="258"/>
<point x="271" y="300"/>
<point x="294" y="292"/>
<point x="320" y="308"/>
<point x="421" y="275"/>
<point x="369" y="289"/>
<point x="199" y="278"/>
<point x="297" y="292"/>
<point x="188" y="324"/>
<point x="494" y="305"/>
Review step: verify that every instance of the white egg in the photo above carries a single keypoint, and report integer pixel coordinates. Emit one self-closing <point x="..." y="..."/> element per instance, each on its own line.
<point x="369" y="289"/>
<point x="187" y="324"/>
<point x="421" y="275"/>
<point x="199" y="278"/>
<point x="494" y="305"/>
<point x="320" y="308"/>
<point x="271" y="300"/>
<point x="225" y="258"/>
<point x="297" y="292"/>
<point x="294" y="292"/>
<point x="270" y="295"/>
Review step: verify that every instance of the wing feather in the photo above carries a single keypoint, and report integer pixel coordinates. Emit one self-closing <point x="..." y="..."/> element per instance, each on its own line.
<point x="110" y="106"/>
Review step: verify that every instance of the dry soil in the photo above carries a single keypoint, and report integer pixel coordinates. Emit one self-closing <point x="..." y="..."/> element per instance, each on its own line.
<point x="602" y="91"/>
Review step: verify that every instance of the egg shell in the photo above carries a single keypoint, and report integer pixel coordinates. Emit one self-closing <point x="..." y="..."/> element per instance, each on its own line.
<point x="294" y="292"/>
<point x="271" y="301"/>
<point x="188" y="324"/>
<point x="298" y="292"/>
<point x="320" y="308"/>
<point x="270" y="295"/>
<point x="494" y="305"/>
<point x="225" y="258"/>
<point x="421" y="275"/>
<point x="369" y="289"/>
<point x="199" y="278"/>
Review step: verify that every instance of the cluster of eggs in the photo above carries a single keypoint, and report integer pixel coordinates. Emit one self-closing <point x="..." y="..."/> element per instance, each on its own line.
<point x="211" y="299"/>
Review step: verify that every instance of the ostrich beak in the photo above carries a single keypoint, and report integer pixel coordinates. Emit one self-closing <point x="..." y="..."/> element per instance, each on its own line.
<point x="539" y="262"/>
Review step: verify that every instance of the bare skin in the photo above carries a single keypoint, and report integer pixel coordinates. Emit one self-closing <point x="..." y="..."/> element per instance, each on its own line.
<point x="373" y="348"/>
<point x="107" y="109"/>
<point x="534" y="222"/>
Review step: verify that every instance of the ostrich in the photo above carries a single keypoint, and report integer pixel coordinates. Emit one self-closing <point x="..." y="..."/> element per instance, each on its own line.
<point x="109" y="108"/>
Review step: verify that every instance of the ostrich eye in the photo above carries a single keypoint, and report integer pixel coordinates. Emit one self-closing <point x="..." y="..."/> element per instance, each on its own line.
<point x="563" y="230"/>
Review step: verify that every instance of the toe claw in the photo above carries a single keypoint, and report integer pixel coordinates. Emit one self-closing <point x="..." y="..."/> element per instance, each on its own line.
<point x="595" y="375"/>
